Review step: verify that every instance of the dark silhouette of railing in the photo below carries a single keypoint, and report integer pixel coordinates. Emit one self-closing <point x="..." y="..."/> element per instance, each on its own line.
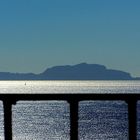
<point x="73" y="100"/>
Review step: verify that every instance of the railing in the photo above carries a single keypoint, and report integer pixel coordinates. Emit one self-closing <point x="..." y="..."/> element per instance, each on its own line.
<point x="73" y="100"/>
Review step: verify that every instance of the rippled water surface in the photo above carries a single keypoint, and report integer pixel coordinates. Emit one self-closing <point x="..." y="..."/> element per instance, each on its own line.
<point x="49" y="120"/>
<point x="69" y="86"/>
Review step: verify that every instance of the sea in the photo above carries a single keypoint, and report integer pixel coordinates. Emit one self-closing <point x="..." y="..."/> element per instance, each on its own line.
<point x="50" y="120"/>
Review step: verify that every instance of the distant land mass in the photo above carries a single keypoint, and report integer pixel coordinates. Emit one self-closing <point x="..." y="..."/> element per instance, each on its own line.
<point x="82" y="71"/>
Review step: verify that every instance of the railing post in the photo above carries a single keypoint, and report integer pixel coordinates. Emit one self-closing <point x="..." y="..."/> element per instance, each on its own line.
<point x="132" y="119"/>
<point x="7" y="120"/>
<point x="73" y="119"/>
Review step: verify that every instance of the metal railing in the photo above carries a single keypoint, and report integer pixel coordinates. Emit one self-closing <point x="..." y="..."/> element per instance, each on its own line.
<point x="73" y="100"/>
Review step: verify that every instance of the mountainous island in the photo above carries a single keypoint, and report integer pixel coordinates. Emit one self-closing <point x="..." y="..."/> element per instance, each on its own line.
<point x="82" y="71"/>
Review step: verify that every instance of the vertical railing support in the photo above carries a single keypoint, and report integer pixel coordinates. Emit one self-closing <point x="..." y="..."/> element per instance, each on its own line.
<point x="132" y="119"/>
<point x="7" y="120"/>
<point x="73" y="120"/>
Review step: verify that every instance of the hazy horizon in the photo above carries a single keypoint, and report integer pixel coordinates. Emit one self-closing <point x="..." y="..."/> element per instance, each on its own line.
<point x="38" y="34"/>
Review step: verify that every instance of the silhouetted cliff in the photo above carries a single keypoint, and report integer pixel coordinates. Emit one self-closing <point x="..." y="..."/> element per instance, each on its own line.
<point x="81" y="71"/>
<point x="84" y="71"/>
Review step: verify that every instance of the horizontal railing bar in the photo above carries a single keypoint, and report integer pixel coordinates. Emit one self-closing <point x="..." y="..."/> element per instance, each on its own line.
<point x="79" y="97"/>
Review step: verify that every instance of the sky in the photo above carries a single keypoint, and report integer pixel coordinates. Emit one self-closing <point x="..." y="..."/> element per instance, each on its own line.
<point x="38" y="34"/>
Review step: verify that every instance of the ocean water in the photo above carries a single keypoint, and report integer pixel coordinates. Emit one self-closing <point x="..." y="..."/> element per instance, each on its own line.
<point x="69" y="87"/>
<point x="50" y="120"/>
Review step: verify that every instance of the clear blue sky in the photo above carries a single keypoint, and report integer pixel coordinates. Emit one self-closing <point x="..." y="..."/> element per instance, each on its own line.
<point x="37" y="34"/>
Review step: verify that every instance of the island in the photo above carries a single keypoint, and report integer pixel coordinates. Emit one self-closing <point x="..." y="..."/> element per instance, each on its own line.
<point x="82" y="71"/>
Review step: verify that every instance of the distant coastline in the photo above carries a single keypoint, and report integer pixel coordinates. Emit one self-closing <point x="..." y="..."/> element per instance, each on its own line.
<point x="82" y="71"/>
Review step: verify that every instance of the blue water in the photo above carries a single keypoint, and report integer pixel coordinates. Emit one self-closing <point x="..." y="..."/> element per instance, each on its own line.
<point x="42" y="120"/>
<point x="103" y="120"/>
